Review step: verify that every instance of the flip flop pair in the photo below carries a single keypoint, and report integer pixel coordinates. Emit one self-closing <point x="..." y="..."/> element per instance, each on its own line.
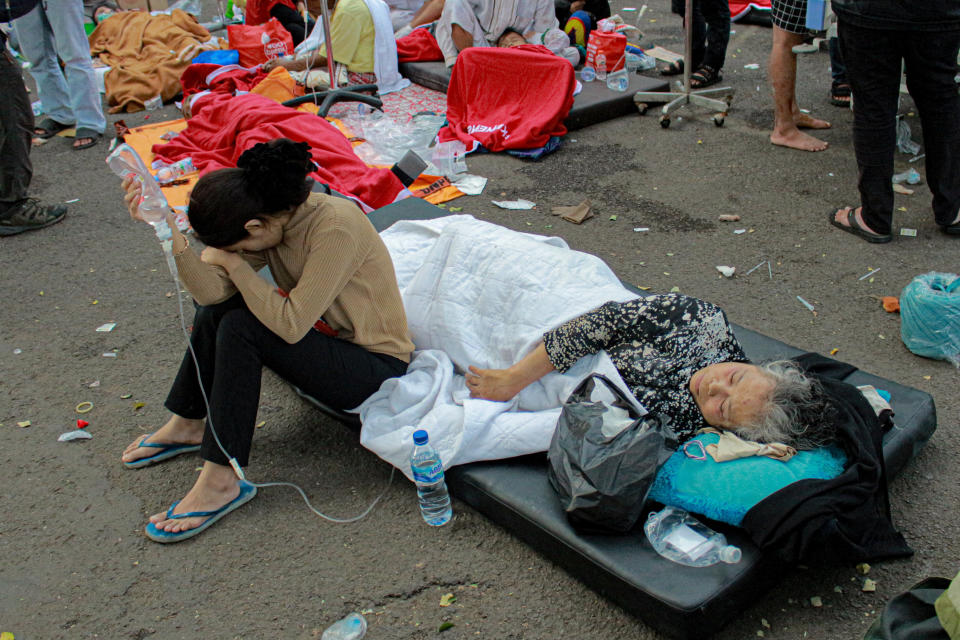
<point x="247" y="492"/>
<point x="165" y="452"/>
<point x="855" y="228"/>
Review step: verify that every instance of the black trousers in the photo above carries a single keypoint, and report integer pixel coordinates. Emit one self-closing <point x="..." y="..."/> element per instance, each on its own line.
<point x="232" y="348"/>
<point x="292" y="22"/>
<point x="16" y="129"/>
<point x="711" y="31"/>
<point x="873" y="59"/>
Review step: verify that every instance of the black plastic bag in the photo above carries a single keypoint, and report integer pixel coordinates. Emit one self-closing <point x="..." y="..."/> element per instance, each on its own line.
<point x="602" y="473"/>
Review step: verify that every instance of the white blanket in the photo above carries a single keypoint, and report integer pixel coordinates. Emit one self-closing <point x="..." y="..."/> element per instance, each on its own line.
<point x="479" y="294"/>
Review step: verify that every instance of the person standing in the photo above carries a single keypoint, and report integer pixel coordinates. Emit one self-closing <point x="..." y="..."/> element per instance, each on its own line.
<point x="789" y="19"/>
<point x="54" y="28"/>
<point x="18" y="213"/>
<point x="710" y="36"/>
<point x="877" y="39"/>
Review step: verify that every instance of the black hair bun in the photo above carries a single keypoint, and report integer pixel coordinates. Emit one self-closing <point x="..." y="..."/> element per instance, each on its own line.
<point x="276" y="172"/>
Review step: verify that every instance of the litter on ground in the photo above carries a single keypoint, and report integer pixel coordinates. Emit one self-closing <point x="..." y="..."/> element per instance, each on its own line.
<point x="514" y="204"/>
<point x="78" y="434"/>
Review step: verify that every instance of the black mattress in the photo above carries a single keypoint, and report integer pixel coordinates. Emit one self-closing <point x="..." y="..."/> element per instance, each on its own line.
<point x="678" y="601"/>
<point x="596" y="103"/>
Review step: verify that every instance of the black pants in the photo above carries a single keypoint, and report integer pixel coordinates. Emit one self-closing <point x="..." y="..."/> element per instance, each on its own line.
<point x="16" y="129"/>
<point x="232" y="347"/>
<point x="873" y="59"/>
<point x="711" y="31"/>
<point x="292" y="22"/>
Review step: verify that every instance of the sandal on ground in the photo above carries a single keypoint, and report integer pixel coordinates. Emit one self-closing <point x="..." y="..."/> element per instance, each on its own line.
<point x="28" y="215"/>
<point x="840" y="94"/>
<point x="854" y="227"/>
<point x="48" y="128"/>
<point x="165" y="452"/>
<point x="704" y="77"/>
<point x="951" y="229"/>
<point x="247" y="492"/>
<point x="89" y="134"/>
<point x="672" y="68"/>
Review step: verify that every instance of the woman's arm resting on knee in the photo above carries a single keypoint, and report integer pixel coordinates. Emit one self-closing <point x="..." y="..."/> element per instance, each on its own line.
<point x="503" y="384"/>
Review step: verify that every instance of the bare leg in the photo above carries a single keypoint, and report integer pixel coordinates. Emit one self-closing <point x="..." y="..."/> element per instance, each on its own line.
<point x="215" y="487"/>
<point x="177" y="431"/>
<point x="462" y="39"/>
<point x="783" y="78"/>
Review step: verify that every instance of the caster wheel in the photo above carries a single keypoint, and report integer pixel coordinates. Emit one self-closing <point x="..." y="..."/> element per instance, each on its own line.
<point x="642" y="108"/>
<point x="718" y="119"/>
<point x="664" y="122"/>
<point x="728" y="100"/>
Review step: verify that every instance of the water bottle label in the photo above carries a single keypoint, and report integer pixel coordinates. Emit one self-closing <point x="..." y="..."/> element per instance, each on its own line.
<point x="688" y="541"/>
<point x="430" y="474"/>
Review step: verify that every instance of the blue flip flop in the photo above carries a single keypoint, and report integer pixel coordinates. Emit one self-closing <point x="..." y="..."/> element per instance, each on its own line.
<point x="165" y="452"/>
<point x="247" y="491"/>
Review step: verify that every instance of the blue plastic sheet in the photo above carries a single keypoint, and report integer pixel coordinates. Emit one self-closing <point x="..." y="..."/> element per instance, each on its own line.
<point x="930" y="316"/>
<point x="218" y="56"/>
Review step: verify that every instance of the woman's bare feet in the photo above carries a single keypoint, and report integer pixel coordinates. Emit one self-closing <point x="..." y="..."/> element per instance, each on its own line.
<point x="215" y="488"/>
<point x="806" y="121"/>
<point x="177" y="431"/>
<point x="795" y="139"/>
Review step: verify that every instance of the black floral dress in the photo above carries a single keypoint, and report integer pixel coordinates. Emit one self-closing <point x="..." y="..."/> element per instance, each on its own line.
<point x="656" y="343"/>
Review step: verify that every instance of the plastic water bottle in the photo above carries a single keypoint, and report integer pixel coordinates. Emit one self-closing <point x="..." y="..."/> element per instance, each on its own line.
<point x="678" y="536"/>
<point x="353" y="627"/>
<point x="431" y="488"/>
<point x="588" y="74"/>
<point x="618" y="80"/>
<point x="125" y="161"/>
<point x="177" y="170"/>
<point x="600" y="64"/>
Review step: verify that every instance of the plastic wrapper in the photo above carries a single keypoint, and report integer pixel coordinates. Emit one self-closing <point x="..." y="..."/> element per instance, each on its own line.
<point x="77" y="434"/>
<point x="930" y="316"/>
<point x="604" y="457"/>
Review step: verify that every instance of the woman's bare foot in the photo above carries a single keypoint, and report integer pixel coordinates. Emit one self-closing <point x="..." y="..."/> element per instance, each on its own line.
<point x="806" y="121"/>
<point x="177" y="431"/>
<point x="215" y="487"/>
<point x="796" y="139"/>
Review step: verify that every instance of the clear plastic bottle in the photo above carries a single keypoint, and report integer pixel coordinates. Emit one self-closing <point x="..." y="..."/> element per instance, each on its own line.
<point x="353" y="627"/>
<point x="174" y="171"/>
<point x="427" y="471"/>
<point x="618" y="80"/>
<point x="678" y="536"/>
<point x="600" y="65"/>
<point x="125" y="161"/>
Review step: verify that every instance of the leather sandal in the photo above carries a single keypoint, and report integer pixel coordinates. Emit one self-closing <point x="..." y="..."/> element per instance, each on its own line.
<point x="48" y="128"/>
<point x="854" y="227"/>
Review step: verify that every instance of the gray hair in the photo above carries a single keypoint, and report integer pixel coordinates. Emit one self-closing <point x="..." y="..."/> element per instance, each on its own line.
<point x="796" y="413"/>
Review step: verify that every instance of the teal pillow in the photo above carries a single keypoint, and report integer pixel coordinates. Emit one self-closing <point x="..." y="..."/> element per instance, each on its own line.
<point x="725" y="491"/>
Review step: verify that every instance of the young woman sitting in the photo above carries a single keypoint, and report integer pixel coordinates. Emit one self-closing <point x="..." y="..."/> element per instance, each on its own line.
<point x="337" y="335"/>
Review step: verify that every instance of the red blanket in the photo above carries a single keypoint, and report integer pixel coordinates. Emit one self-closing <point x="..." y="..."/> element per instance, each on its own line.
<point x="224" y="126"/>
<point x="515" y="98"/>
<point x="740" y="8"/>
<point x="215" y="77"/>
<point x="418" y="46"/>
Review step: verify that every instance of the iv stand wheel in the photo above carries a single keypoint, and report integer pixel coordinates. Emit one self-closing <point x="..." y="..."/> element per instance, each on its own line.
<point x="665" y="121"/>
<point x="718" y="119"/>
<point x="642" y="108"/>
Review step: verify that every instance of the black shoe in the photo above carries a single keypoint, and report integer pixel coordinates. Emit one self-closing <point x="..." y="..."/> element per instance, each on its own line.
<point x="29" y="214"/>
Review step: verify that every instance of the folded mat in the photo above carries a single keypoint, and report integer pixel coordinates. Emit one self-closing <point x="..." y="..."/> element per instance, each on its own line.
<point x="681" y="602"/>
<point x="146" y="54"/>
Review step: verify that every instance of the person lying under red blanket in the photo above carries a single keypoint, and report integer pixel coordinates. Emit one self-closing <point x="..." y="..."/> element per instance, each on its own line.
<point x="223" y="126"/>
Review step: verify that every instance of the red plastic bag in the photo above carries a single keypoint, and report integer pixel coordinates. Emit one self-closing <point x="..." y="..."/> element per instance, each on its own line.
<point x="260" y="43"/>
<point x="613" y="46"/>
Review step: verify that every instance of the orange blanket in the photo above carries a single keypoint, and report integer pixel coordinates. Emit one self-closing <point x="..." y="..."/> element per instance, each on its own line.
<point x="142" y="51"/>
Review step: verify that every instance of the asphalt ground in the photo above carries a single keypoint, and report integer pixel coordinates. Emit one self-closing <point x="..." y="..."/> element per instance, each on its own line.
<point x="75" y="563"/>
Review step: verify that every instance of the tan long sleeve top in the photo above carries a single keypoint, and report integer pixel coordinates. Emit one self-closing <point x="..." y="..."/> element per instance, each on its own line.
<point x="333" y="264"/>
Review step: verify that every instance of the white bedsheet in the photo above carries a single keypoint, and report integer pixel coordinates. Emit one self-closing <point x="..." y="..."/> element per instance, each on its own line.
<point x="479" y="294"/>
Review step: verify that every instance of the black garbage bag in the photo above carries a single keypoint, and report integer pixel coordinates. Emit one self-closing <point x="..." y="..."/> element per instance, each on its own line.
<point x="604" y="457"/>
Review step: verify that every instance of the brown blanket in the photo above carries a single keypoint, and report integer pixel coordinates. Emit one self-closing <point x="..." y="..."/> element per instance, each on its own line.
<point x="146" y="54"/>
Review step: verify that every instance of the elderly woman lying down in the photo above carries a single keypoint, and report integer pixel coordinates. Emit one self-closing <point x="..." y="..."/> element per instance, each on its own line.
<point x="679" y="357"/>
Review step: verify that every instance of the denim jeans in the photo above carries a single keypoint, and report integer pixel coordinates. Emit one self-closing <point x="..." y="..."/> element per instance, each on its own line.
<point x="16" y="129"/>
<point x="232" y="347"/>
<point x="55" y="29"/>
<point x="711" y="31"/>
<point x="873" y="58"/>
